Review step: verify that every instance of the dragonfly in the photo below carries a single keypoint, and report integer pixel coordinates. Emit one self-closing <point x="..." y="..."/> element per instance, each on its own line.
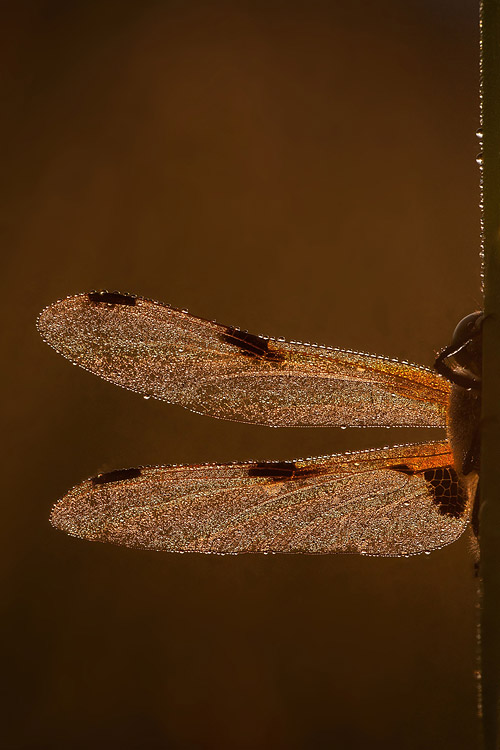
<point x="395" y="501"/>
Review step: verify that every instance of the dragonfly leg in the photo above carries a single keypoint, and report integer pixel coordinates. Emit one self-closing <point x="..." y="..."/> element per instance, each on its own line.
<point x="475" y="512"/>
<point x="463" y="378"/>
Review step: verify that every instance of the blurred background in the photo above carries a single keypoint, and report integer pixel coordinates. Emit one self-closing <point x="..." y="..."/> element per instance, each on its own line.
<point x="300" y="169"/>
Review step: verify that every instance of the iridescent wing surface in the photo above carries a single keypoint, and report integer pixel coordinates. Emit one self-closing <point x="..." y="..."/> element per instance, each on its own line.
<point x="158" y="351"/>
<point x="391" y="502"/>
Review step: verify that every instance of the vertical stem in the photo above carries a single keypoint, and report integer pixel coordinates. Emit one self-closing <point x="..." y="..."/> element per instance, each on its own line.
<point x="490" y="453"/>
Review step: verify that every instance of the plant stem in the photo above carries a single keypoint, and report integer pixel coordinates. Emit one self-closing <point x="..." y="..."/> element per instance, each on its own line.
<point x="490" y="451"/>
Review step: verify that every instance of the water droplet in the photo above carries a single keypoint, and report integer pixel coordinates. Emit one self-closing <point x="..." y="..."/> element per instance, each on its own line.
<point x="281" y="338"/>
<point x="146" y="397"/>
<point x="185" y="311"/>
<point x="427" y="552"/>
<point x="343" y="427"/>
<point x="480" y="158"/>
<point x="479" y="132"/>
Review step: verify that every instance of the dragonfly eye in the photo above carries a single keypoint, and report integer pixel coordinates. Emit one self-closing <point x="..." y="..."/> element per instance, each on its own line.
<point x="467" y="330"/>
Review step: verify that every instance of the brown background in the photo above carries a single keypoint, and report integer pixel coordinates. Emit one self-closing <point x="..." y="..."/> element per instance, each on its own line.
<point x="303" y="169"/>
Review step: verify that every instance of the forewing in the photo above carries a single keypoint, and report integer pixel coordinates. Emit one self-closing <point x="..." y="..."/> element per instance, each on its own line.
<point x="391" y="502"/>
<point x="223" y="372"/>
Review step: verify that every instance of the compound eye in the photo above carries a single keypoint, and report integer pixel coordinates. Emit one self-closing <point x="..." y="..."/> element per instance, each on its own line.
<point x="468" y="328"/>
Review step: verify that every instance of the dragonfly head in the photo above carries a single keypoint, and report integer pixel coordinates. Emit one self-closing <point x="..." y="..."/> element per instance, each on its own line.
<point x="467" y="343"/>
<point x="465" y="353"/>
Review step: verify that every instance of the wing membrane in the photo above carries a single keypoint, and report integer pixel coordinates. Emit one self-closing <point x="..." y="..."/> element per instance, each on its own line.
<point x="158" y="351"/>
<point x="390" y="502"/>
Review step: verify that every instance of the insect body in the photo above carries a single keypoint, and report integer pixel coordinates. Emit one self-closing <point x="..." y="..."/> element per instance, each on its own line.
<point x="464" y="410"/>
<point x="391" y="501"/>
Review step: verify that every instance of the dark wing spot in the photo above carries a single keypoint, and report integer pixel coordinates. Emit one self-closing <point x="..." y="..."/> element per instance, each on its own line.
<point x="403" y="468"/>
<point x="116" y="476"/>
<point x="112" y="298"/>
<point x="278" y="471"/>
<point x="251" y="345"/>
<point x="273" y="469"/>
<point x="448" y="494"/>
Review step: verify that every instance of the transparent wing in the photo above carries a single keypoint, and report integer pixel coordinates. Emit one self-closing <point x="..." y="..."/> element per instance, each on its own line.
<point x="223" y="372"/>
<point x="395" y="501"/>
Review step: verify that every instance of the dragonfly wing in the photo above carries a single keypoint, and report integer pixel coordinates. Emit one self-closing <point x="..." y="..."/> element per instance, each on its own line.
<point x="391" y="502"/>
<point x="158" y="351"/>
